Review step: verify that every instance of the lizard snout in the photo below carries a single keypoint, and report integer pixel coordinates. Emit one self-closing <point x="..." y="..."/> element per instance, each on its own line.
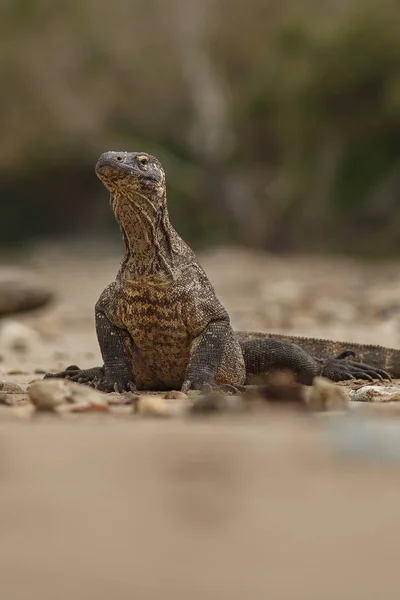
<point x="110" y="159"/>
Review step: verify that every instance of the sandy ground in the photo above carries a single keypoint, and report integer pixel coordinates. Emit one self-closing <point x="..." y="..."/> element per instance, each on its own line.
<point x="275" y="506"/>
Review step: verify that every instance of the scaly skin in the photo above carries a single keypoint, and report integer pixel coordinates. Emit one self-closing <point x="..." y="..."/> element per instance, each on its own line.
<point x="379" y="357"/>
<point x="160" y="325"/>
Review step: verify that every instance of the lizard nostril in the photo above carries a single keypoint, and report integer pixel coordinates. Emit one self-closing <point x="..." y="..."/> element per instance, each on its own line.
<point x="119" y="157"/>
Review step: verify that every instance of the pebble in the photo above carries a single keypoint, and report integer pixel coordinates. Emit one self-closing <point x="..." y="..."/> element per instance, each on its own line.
<point x="152" y="406"/>
<point x="5" y="400"/>
<point x="376" y="393"/>
<point x="215" y="402"/>
<point x="7" y="387"/>
<point x="21" y="290"/>
<point x="17" y="337"/>
<point x="176" y="395"/>
<point x="17" y="372"/>
<point x="325" y="395"/>
<point x="280" y="389"/>
<point x="52" y="394"/>
<point x="209" y="404"/>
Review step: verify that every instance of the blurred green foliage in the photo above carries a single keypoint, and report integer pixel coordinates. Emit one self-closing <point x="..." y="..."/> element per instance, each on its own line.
<point x="278" y="122"/>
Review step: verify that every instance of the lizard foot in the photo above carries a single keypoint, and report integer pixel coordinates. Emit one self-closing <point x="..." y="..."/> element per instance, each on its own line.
<point x="74" y="373"/>
<point x="114" y="384"/>
<point x="341" y="369"/>
<point x="95" y="378"/>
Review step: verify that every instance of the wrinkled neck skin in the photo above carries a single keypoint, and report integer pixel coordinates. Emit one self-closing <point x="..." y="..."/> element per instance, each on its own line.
<point x="150" y="240"/>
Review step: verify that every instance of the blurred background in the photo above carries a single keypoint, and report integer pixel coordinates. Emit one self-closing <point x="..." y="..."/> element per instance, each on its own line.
<point x="278" y="122"/>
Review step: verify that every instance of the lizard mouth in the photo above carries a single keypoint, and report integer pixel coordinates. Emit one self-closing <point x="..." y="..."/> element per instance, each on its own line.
<point x="107" y="167"/>
<point x="113" y="170"/>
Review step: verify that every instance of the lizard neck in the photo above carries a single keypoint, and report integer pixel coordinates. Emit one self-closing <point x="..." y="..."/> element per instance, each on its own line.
<point x="151" y="243"/>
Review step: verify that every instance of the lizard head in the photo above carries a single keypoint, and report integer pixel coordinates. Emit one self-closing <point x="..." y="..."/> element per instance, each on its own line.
<point x="128" y="173"/>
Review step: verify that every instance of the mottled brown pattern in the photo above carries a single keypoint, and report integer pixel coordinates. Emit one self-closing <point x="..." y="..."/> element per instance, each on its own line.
<point x="160" y="324"/>
<point x="160" y="318"/>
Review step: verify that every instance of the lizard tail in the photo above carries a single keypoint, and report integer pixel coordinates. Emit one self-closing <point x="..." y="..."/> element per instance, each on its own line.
<point x="379" y="357"/>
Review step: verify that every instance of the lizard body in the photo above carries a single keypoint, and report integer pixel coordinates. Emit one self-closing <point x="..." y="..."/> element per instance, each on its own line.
<point x="160" y="324"/>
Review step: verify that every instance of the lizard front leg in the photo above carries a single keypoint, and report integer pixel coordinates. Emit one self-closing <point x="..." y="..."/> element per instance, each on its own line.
<point x="114" y="345"/>
<point x="207" y="352"/>
<point x="116" y="373"/>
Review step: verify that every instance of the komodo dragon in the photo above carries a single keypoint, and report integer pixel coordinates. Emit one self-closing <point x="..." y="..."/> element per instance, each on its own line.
<point x="160" y="325"/>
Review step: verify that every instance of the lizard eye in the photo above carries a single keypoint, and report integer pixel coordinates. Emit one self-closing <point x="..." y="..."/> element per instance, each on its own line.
<point x="143" y="160"/>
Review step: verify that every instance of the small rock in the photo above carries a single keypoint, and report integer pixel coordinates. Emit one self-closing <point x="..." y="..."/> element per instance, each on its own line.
<point x="324" y="395"/>
<point x="17" y="372"/>
<point x="7" y="387"/>
<point x="176" y="395"/>
<point x="376" y="393"/>
<point x="46" y="397"/>
<point x="279" y="389"/>
<point x="215" y="403"/>
<point x="5" y="400"/>
<point x="51" y="394"/>
<point x="212" y="403"/>
<point x="152" y="406"/>
<point x="21" y="290"/>
<point x="18" y="337"/>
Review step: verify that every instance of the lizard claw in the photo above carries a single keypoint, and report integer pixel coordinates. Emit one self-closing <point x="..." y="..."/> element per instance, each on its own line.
<point x="231" y="389"/>
<point x="109" y="385"/>
<point x="94" y="378"/>
<point x="341" y="369"/>
<point x="120" y="388"/>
